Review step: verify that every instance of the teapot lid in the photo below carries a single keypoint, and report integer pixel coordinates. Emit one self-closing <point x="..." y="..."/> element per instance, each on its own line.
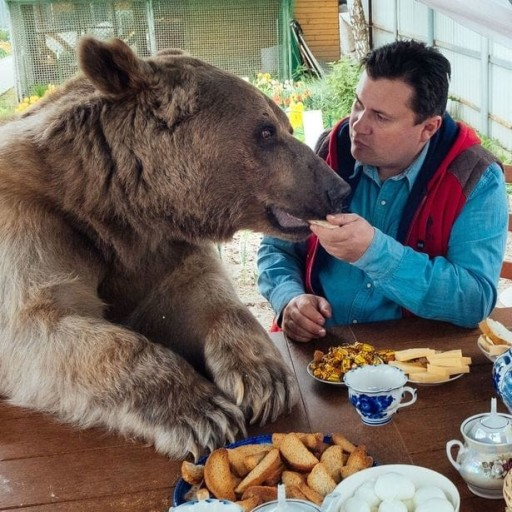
<point x="490" y="428"/>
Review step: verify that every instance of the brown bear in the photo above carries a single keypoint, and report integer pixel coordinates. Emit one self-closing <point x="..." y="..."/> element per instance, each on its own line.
<point x="114" y="307"/>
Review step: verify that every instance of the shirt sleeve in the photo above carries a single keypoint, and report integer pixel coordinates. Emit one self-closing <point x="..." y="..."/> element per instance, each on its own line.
<point x="280" y="271"/>
<point x="461" y="287"/>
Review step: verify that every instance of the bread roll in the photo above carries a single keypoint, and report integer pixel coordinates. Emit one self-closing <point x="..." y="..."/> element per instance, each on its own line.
<point x="496" y="332"/>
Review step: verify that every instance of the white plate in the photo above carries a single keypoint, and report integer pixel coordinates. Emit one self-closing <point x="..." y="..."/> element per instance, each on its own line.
<point x="310" y="371"/>
<point x="417" y="474"/>
<point x="453" y="377"/>
<point x="486" y="353"/>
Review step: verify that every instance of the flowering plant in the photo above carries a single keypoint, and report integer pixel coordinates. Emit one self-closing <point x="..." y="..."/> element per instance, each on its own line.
<point x="292" y="97"/>
<point x="283" y="93"/>
<point x="40" y="92"/>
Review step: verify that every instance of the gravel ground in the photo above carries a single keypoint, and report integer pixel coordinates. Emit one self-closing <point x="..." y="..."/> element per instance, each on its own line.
<point x="239" y="256"/>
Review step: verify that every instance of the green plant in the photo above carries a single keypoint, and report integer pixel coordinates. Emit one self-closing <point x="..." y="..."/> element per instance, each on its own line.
<point x="334" y="93"/>
<point x="4" y="35"/>
<point x="40" y="90"/>
<point x="7" y="105"/>
<point x="496" y="149"/>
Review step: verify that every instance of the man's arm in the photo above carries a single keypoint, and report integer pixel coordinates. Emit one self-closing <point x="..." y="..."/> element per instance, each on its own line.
<point x="461" y="287"/>
<point x="280" y="271"/>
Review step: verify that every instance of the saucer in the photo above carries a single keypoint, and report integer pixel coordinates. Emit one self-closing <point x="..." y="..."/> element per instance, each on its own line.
<point x="332" y="382"/>
<point x="437" y="383"/>
<point x="486" y="353"/>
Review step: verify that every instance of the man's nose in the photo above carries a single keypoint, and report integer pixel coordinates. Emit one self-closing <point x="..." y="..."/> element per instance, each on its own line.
<point x="360" y="122"/>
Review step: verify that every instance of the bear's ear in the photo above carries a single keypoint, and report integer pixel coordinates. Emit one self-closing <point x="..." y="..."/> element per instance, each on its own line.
<point x="171" y="52"/>
<point x="112" y="66"/>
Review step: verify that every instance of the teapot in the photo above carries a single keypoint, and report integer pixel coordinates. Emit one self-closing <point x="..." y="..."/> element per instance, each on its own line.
<point x="486" y="455"/>
<point x="485" y="458"/>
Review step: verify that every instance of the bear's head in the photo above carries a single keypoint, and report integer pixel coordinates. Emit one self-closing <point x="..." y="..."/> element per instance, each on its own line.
<point x="171" y="147"/>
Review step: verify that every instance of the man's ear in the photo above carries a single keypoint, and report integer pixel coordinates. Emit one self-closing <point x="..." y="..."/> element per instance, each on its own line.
<point x="430" y="126"/>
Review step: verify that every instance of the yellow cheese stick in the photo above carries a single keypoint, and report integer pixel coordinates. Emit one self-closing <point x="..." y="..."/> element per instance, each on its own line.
<point x="449" y="361"/>
<point x="426" y="377"/>
<point x="413" y="353"/>
<point x="449" y="353"/>
<point x="454" y="370"/>
<point x="407" y="367"/>
<point x="438" y="370"/>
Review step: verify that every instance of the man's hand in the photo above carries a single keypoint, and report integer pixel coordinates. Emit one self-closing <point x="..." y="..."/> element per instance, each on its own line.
<point x="304" y="317"/>
<point x="350" y="240"/>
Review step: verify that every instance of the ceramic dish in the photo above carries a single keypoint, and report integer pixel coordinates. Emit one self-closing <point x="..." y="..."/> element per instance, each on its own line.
<point x="452" y="378"/>
<point x="486" y="352"/>
<point x="418" y="475"/>
<point x="209" y="505"/>
<point x="333" y="383"/>
<point x="183" y="487"/>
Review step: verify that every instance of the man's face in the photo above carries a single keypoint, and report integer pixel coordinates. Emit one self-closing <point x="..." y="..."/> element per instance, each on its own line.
<point x="383" y="130"/>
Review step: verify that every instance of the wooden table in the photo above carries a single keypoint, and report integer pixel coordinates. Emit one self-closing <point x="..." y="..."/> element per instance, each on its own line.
<point x="49" y="467"/>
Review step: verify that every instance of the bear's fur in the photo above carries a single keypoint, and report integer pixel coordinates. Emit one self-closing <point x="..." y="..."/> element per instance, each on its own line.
<point x="114" y="307"/>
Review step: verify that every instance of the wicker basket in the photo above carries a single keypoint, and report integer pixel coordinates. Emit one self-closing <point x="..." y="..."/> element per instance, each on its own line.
<point x="507" y="491"/>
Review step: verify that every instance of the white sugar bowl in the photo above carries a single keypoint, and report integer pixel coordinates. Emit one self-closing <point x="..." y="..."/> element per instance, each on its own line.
<point x="485" y="457"/>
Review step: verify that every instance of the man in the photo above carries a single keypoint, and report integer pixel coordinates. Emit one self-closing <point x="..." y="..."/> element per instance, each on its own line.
<point x="427" y="227"/>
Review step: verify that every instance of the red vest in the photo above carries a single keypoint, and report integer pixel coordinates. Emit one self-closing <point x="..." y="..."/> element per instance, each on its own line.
<point x="439" y="200"/>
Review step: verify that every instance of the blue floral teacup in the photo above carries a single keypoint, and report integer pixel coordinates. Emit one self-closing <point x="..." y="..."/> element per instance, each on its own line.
<point x="376" y="391"/>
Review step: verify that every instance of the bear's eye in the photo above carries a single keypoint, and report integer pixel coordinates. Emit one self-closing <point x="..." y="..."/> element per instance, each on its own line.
<point x="268" y="132"/>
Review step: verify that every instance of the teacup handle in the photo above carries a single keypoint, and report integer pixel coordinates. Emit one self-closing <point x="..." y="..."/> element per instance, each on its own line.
<point x="412" y="392"/>
<point x="449" y="446"/>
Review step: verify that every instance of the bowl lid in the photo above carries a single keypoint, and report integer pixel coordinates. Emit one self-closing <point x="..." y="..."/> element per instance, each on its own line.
<point x="490" y="428"/>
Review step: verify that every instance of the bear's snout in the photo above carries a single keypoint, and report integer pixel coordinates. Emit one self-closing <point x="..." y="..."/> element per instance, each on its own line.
<point x="336" y="196"/>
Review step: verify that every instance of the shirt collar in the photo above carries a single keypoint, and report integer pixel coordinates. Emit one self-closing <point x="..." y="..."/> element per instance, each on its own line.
<point x="410" y="174"/>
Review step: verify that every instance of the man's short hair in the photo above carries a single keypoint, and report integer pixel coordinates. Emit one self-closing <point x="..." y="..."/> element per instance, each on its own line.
<point x="422" y="67"/>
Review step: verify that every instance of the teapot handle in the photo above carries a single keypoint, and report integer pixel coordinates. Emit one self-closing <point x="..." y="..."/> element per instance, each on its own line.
<point x="449" y="446"/>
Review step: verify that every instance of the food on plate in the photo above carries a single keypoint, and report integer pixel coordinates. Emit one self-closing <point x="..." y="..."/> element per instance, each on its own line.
<point x="242" y="457"/>
<point x="338" y="360"/>
<point x="296" y="454"/>
<point x="218" y="477"/>
<point x="394" y="492"/>
<point x="323" y="224"/>
<point x="496" y="338"/>
<point x="356" y="461"/>
<point x="321" y="480"/>
<point x="341" y="440"/>
<point x="333" y="459"/>
<point x="313" y="441"/>
<point x="425" y="365"/>
<point x="192" y="473"/>
<point x="309" y="467"/>
<point x="413" y="353"/>
<point x="262" y="472"/>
